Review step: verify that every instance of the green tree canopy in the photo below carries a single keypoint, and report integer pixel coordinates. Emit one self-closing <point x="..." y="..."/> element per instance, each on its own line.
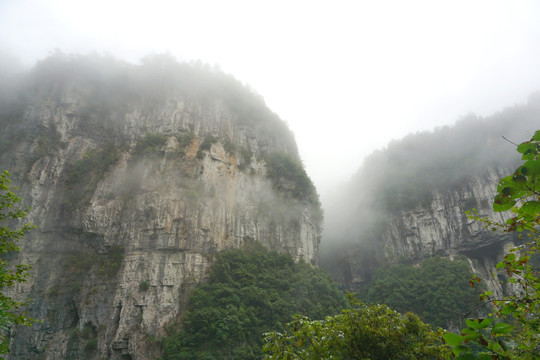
<point x="249" y="292"/>
<point x="373" y="332"/>
<point x="437" y="290"/>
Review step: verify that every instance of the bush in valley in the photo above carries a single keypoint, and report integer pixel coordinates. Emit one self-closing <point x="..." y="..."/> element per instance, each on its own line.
<point x="437" y="290"/>
<point x="249" y="292"/>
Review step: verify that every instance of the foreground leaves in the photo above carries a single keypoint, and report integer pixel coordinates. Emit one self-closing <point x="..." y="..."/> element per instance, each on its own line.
<point x="9" y="276"/>
<point x="513" y="328"/>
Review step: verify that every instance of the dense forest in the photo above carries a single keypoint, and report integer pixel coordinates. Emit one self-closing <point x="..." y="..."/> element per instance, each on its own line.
<point x="249" y="292"/>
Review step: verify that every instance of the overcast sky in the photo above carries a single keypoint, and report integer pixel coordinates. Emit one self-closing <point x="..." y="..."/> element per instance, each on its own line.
<point x="347" y="76"/>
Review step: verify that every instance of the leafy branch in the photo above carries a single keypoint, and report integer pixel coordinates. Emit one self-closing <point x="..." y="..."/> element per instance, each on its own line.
<point x="511" y="330"/>
<point x="10" y="313"/>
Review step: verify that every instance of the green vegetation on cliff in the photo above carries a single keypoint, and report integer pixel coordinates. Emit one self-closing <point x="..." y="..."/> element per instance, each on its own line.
<point x="406" y="172"/>
<point x="83" y="176"/>
<point x="289" y="176"/>
<point x="249" y="292"/>
<point x="149" y="144"/>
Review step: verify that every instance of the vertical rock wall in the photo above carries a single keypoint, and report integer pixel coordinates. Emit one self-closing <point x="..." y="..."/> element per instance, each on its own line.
<point x="439" y="226"/>
<point x="124" y="230"/>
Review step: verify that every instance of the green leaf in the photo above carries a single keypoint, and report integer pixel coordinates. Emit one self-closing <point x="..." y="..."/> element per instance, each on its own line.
<point x="477" y="324"/>
<point x="533" y="167"/>
<point x="470" y="334"/>
<point x="502" y="203"/>
<point x="485" y="323"/>
<point x="510" y="257"/>
<point x="473" y="323"/>
<point x="453" y="339"/>
<point x="501" y="328"/>
<point x="519" y="180"/>
<point x="508" y="309"/>
<point x="530" y="208"/>
<point x="484" y="357"/>
<point x="525" y="147"/>
<point x="459" y="349"/>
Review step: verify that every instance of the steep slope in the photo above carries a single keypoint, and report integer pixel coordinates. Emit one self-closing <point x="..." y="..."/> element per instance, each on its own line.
<point x="136" y="176"/>
<point x="408" y="201"/>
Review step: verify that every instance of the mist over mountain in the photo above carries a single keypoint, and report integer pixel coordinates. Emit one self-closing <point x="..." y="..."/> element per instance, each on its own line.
<point x="445" y="171"/>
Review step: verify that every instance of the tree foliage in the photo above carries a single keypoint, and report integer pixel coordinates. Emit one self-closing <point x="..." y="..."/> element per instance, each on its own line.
<point x="289" y="176"/>
<point x="249" y="292"/>
<point x="361" y="332"/>
<point x="437" y="290"/>
<point x="10" y="214"/>
<point x="512" y="329"/>
<point x="520" y="192"/>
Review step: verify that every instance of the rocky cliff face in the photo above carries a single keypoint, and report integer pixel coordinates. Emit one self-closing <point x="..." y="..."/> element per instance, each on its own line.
<point x="409" y="201"/>
<point x="439" y="226"/>
<point x="132" y="193"/>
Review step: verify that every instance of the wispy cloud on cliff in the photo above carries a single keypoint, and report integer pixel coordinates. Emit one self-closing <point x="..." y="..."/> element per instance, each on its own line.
<point x="348" y="76"/>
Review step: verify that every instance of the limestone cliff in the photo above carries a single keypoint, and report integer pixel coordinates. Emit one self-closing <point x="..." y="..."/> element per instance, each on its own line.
<point x="438" y="227"/>
<point x="409" y="201"/>
<point x="136" y="176"/>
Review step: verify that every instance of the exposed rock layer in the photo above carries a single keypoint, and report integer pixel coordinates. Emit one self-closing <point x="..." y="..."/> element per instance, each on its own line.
<point x="126" y="228"/>
<point x="438" y="227"/>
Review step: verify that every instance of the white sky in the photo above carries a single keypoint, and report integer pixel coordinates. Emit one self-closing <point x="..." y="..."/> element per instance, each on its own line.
<point x="347" y="76"/>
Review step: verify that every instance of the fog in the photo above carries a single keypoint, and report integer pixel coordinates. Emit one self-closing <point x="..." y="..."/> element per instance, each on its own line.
<point x="348" y="77"/>
<point x="405" y="173"/>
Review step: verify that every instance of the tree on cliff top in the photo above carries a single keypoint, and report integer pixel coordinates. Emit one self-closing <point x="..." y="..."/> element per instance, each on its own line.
<point x="10" y="275"/>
